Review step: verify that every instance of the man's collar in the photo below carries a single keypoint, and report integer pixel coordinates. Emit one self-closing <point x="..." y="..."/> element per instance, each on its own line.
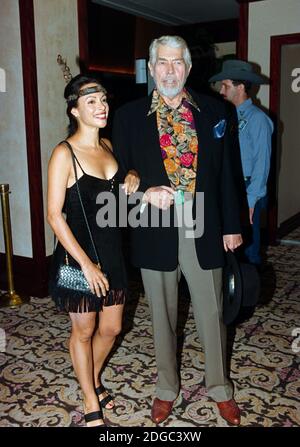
<point x="244" y="105"/>
<point x="157" y="101"/>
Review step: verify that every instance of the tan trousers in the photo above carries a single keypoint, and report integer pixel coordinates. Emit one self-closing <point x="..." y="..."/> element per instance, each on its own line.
<point x="205" y="287"/>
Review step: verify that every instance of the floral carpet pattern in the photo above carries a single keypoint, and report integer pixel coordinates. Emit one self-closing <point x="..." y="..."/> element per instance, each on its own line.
<point x="38" y="387"/>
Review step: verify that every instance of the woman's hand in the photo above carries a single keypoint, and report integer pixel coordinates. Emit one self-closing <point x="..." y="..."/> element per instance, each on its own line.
<point x="95" y="277"/>
<point x="131" y="182"/>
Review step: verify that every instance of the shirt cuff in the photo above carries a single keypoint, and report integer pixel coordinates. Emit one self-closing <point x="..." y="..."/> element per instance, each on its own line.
<point x="252" y="201"/>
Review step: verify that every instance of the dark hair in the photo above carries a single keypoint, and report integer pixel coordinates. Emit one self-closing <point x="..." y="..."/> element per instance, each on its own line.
<point x="246" y="84"/>
<point x="73" y="88"/>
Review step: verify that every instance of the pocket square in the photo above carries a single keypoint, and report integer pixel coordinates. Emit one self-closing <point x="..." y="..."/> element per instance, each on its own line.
<point x="219" y="129"/>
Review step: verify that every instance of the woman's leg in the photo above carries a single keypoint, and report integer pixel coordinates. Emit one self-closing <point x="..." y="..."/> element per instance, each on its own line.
<point x="83" y="326"/>
<point x="110" y="325"/>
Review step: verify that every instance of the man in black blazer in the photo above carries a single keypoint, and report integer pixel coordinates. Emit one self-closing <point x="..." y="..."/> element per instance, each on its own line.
<point x="179" y="145"/>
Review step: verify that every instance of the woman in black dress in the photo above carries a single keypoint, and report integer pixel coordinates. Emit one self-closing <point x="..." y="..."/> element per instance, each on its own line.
<point x="89" y="158"/>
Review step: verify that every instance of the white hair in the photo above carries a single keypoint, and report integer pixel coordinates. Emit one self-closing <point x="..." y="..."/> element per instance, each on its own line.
<point x="173" y="42"/>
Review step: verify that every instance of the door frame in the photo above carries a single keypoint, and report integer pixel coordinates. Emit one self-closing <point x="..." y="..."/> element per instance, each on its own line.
<point x="276" y="43"/>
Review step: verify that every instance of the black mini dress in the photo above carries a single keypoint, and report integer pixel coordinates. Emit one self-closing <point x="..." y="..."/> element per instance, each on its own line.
<point x="107" y="241"/>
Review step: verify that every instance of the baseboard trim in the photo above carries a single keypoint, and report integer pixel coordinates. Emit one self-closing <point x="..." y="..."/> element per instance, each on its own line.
<point x="289" y="225"/>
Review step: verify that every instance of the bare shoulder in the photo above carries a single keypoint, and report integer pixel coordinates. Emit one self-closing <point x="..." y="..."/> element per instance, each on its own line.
<point x="61" y="155"/>
<point x="61" y="151"/>
<point x="107" y="143"/>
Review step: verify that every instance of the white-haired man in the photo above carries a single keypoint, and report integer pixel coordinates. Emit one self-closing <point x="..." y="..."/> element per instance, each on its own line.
<point x="178" y="144"/>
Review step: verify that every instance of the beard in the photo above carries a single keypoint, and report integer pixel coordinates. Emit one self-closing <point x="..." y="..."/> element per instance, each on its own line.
<point x="172" y="91"/>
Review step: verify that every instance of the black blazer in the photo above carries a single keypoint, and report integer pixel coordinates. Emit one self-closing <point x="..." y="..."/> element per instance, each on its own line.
<point x="136" y="146"/>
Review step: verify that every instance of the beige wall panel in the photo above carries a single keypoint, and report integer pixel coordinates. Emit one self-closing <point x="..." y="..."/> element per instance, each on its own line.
<point x="289" y="141"/>
<point x="13" y="154"/>
<point x="224" y="48"/>
<point x="56" y="32"/>
<point x="268" y="18"/>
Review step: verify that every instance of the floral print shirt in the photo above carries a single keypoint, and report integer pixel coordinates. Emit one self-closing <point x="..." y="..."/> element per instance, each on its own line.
<point x="178" y="140"/>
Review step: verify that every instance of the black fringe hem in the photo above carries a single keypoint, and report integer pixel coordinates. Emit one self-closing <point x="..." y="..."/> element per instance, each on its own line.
<point x="73" y="301"/>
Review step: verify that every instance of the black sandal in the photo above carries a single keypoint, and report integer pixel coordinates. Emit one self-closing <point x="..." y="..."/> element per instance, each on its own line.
<point x="94" y="416"/>
<point x="106" y="400"/>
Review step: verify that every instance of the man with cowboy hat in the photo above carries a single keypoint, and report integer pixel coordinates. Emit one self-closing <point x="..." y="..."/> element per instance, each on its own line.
<point x="255" y="131"/>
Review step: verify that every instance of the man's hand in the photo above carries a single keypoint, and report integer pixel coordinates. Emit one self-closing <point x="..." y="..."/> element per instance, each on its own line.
<point x="160" y="196"/>
<point x="232" y="241"/>
<point x="131" y="182"/>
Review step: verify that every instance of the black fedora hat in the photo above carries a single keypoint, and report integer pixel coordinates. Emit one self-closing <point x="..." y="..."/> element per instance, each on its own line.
<point x="238" y="70"/>
<point x="241" y="288"/>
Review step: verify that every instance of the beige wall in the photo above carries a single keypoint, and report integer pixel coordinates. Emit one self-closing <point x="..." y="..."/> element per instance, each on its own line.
<point x="13" y="155"/>
<point x="289" y="142"/>
<point x="224" y="48"/>
<point x="268" y="18"/>
<point x="56" y="32"/>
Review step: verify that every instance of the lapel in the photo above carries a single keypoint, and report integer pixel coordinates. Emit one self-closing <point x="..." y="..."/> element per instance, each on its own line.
<point x="152" y="146"/>
<point x="204" y="127"/>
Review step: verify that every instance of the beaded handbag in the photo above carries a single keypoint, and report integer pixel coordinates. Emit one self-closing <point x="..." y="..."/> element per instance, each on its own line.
<point x="69" y="277"/>
<point x="72" y="277"/>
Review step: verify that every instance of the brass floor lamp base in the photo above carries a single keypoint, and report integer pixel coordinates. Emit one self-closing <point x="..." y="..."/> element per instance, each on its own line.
<point x="12" y="300"/>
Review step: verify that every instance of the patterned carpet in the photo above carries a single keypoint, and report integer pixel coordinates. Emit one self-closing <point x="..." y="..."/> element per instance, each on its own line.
<point x="38" y="387"/>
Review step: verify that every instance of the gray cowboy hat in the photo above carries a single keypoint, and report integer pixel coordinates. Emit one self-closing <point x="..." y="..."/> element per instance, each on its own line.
<point x="237" y="70"/>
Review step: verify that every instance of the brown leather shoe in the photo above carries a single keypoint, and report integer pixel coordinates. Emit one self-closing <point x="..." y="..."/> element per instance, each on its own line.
<point x="230" y="411"/>
<point x="161" y="409"/>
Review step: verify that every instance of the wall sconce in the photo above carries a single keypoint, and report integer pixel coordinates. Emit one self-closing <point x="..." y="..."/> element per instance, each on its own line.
<point x="65" y="69"/>
<point x="140" y="71"/>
